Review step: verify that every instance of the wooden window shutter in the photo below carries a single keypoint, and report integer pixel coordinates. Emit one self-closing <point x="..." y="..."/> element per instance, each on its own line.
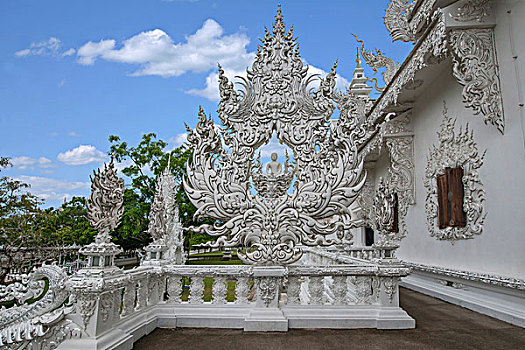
<point x="455" y="176"/>
<point x="450" y="199"/>
<point x="395" y="222"/>
<point x="443" y="203"/>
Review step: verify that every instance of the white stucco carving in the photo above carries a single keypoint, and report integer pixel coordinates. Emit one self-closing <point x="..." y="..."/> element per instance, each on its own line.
<point x="473" y="10"/>
<point x="475" y="67"/>
<point x="326" y="167"/>
<point x="455" y="150"/>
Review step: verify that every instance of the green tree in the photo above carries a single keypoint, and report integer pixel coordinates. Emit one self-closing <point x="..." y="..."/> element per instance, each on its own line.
<point x="72" y="225"/>
<point x="147" y="161"/>
<point x="20" y="217"/>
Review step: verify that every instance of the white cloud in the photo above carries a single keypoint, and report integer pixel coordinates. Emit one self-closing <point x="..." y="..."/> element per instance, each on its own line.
<point x="52" y="189"/>
<point x="91" y="50"/>
<point x="23" y="162"/>
<point x="72" y="133"/>
<point x="211" y="91"/>
<point x="340" y="82"/>
<point x="44" y="162"/>
<point x="83" y="154"/>
<point x="69" y="52"/>
<point x="178" y="140"/>
<point x="49" y="47"/>
<point x="157" y="54"/>
<point x="23" y="52"/>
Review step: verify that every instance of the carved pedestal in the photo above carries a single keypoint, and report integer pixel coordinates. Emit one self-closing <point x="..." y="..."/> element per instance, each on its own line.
<point x="267" y="316"/>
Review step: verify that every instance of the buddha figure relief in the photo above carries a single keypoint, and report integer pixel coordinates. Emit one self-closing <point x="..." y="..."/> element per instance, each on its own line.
<point x="274" y="167"/>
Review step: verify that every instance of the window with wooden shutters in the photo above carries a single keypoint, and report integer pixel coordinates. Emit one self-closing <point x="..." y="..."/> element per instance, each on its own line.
<point x="450" y="198"/>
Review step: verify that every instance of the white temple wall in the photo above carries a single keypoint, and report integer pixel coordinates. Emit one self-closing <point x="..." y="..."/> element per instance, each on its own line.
<point x="499" y="249"/>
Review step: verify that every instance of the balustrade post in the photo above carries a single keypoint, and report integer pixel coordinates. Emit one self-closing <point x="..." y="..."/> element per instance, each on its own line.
<point x="340" y="290"/>
<point x="242" y="290"/>
<point x="293" y="290"/>
<point x="316" y="289"/>
<point x="142" y="293"/>
<point x="128" y="299"/>
<point x="174" y="289"/>
<point x="196" y="290"/>
<point x="266" y="316"/>
<point x="219" y="290"/>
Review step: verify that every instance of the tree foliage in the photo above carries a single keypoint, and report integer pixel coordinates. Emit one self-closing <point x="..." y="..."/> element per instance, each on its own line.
<point x="23" y="224"/>
<point x="144" y="163"/>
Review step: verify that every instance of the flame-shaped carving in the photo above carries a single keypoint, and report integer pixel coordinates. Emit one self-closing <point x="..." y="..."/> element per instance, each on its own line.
<point x="327" y="172"/>
<point x="104" y="206"/>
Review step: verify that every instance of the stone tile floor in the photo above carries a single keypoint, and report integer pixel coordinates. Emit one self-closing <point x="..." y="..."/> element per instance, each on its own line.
<point x="439" y="325"/>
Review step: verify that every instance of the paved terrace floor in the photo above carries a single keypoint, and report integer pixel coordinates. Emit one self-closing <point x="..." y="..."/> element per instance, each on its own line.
<point x="439" y="325"/>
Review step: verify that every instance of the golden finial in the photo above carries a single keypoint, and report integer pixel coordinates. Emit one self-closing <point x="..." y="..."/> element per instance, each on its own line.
<point x="278" y="27"/>
<point x="357" y="59"/>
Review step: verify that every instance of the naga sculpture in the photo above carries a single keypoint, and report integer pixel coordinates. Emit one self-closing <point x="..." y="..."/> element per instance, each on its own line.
<point x="271" y="214"/>
<point x="42" y="324"/>
<point x="376" y="61"/>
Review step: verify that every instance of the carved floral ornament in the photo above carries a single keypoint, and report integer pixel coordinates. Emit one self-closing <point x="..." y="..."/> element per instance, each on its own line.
<point x="473" y="10"/>
<point x="327" y="172"/>
<point x="472" y="49"/>
<point x="475" y="67"/>
<point x="455" y="151"/>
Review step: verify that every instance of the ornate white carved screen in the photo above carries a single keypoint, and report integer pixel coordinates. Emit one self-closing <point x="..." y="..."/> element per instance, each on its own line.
<point x="273" y="220"/>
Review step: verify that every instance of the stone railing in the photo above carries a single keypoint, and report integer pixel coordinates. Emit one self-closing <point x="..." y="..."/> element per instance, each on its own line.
<point x="111" y="308"/>
<point x="337" y="256"/>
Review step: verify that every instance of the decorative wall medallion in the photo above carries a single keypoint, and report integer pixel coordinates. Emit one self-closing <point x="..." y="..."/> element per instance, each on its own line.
<point x="455" y="151"/>
<point x="473" y="10"/>
<point x="475" y="67"/>
<point x="385" y="217"/>
<point x="268" y="289"/>
<point x="390" y="284"/>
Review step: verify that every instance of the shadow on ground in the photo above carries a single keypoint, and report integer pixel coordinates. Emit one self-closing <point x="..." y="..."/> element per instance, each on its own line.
<point x="439" y="325"/>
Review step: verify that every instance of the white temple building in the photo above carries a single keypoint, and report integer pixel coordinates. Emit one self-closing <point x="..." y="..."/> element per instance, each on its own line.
<point x="457" y="101"/>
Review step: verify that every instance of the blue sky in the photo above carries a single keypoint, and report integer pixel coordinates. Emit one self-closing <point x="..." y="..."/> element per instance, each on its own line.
<point x="74" y="72"/>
